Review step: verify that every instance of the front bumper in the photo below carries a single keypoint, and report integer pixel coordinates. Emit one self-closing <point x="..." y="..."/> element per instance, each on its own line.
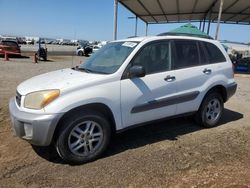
<point x="38" y="129"/>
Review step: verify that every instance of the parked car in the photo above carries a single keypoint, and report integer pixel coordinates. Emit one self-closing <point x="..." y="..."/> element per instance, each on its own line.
<point x="125" y="84"/>
<point x="56" y="42"/>
<point x="84" y="49"/>
<point x="20" y="40"/>
<point x="30" y="42"/>
<point x="10" y="46"/>
<point x="242" y="64"/>
<point x="96" y="48"/>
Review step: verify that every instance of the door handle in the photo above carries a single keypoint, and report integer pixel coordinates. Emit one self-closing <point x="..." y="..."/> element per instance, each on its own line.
<point x="169" y="78"/>
<point x="207" y="71"/>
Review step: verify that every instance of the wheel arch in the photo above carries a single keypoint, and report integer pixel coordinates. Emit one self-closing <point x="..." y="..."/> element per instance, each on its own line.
<point x="219" y="89"/>
<point x="97" y="107"/>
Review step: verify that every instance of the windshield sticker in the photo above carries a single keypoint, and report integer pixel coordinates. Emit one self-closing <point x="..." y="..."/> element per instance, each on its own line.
<point x="129" y="44"/>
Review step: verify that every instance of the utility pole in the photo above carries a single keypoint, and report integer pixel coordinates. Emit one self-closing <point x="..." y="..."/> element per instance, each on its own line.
<point x="136" y="21"/>
<point x="115" y="19"/>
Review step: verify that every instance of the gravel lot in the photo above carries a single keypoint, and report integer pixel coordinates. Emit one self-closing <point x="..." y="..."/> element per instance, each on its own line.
<point x="174" y="153"/>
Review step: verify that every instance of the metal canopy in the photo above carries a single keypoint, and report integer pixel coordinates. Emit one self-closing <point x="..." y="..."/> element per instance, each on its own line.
<point x="178" y="11"/>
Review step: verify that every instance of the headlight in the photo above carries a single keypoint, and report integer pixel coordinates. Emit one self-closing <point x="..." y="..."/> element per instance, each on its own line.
<point x="39" y="99"/>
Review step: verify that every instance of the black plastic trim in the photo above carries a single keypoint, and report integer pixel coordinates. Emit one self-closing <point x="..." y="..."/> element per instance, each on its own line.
<point x="231" y="89"/>
<point x="165" y="102"/>
<point x="155" y="121"/>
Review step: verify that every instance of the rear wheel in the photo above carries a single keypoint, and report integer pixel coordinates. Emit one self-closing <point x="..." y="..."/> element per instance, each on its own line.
<point x="83" y="137"/>
<point x="211" y="110"/>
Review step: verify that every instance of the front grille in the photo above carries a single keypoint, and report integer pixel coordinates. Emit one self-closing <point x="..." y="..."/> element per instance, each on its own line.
<point x="18" y="98"/>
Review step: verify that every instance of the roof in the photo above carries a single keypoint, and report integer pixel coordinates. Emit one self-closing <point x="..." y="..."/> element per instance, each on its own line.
<point x="187" y="29"/>
<point x="174" y="11"/>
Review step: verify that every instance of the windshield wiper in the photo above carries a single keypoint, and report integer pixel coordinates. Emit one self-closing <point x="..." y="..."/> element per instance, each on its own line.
<point x="87" y="70"/>
<point x="81" y="69"/>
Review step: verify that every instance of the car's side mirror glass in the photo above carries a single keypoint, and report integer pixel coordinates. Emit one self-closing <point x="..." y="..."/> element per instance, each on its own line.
<point x="137" y="71"/>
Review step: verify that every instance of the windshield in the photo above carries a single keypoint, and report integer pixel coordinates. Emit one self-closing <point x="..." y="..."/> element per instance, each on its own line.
<point x="109" y="58"/>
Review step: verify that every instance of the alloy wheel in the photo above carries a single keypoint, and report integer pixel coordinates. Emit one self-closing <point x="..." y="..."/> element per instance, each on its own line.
<point x="85" y="138"/>
<point x="213" y="110"/>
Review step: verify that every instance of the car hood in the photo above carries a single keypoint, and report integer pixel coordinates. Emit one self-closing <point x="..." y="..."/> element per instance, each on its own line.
<point x="64" y="79"/>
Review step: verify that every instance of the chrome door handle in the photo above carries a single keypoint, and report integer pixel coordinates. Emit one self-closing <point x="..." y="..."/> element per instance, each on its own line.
<point x="169" y="78"/>
<point x="207" y="71"/>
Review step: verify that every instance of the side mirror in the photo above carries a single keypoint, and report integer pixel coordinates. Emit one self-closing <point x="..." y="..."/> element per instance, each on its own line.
<point x="137" y="71"/>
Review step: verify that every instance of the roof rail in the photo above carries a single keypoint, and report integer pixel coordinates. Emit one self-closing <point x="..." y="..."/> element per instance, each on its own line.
<point x="184" y="34"/>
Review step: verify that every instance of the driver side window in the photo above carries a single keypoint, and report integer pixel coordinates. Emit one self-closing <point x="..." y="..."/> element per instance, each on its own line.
<point x="154" y="57"/>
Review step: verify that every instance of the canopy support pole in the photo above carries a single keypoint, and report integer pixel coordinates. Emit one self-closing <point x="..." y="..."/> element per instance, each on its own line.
<point x="146" y="29"/>
<point x="204" y="23"/>
<point x="209" y="22"/>
<point x="200" y="26"/>
<point x="219" y="19"/>
<point x="208" y="27"/>
<point x="136" y="20"/>
<point x="115" y="19"/>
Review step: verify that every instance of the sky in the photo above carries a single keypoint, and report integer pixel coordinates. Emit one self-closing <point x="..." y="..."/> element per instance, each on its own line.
<point x="87" y="19"/>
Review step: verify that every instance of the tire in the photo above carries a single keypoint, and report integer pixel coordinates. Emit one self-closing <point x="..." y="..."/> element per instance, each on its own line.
<point x="80" y="53"/>
<point x="46" y="152"/>
<point x="210" y="110"/>
<point x="83" y="137"/>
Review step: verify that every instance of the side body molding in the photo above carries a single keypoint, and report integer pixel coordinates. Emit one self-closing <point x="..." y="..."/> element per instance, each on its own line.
<point x="165" y="102"/>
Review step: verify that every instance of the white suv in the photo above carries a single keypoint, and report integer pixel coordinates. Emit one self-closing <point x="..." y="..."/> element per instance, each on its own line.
<point x="126" y="83"/>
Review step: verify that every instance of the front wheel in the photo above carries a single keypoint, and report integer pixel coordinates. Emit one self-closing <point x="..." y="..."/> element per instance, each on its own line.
<point x="83" y="137"/>
<point x="80" y="53"/>
<point x="210" y="111"/>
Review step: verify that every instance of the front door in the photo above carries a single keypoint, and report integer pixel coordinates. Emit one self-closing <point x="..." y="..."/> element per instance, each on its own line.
<point x="150" y="97"/>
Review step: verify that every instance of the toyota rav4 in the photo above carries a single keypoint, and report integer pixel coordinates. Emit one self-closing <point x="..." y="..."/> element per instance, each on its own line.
<point x="124" y="84"/>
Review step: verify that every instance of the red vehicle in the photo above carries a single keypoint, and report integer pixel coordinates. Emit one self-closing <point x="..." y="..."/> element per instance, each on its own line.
<point x="10" y="47"/>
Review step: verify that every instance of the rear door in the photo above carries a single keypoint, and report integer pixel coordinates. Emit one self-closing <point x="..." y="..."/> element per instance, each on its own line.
<point x="191" y="74"/>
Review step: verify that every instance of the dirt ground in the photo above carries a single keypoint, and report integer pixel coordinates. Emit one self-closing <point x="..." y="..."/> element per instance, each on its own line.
<point x="174" y="153"/>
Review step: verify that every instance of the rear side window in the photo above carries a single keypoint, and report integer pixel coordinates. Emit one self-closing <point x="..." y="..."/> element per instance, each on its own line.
<point x="203" y="56"/>
<point x="213" y="52"/>
<point x="186" y="54"/>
